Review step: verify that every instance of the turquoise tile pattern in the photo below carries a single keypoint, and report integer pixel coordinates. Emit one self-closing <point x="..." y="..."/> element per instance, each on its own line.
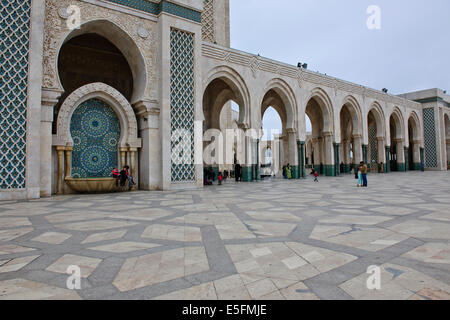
<point x="182" y="105"/>
<point x="95" y="131"/>
<point x="430" y="138"/>
<point x="14" y="49"/>
<point x="163" y="6"/>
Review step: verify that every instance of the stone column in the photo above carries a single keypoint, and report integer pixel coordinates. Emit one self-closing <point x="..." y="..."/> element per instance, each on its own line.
<point x="337" y="161"/>
<point x="381" y="151"/>
<point x="364" y="153"/>
<point x="406" y="150"/>
<point x="68" y="164"/>
<point x="400" y="155"/>
<point x="293" y="154"/>
<point x="357" y="149"/>
<point x="133" y="164"/>
<point x="49" y="100"/>
<point x="330" y="169"/>
<point x="150" y="155"/>
<point x="388" y="159"/>
<point x="415" y="145"/>
<point x="59" y="185"/>
<point x="301" y="159"/>
<point x="123" y="157"/>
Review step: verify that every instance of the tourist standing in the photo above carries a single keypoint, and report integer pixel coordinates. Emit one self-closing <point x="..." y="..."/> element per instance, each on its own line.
<point x="288" y="172"/>
<point x="316" y="176"/>
<point x="364" y="173"/>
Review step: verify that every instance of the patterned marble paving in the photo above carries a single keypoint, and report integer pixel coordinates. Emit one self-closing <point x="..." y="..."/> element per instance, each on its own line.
<point x="278" y="239"/>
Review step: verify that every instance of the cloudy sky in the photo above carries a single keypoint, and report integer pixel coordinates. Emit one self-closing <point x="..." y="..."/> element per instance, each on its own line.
<point x="410" y="52"/>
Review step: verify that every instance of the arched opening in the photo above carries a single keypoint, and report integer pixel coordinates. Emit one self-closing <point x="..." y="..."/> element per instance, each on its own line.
<point x="447" y="138"/>
<point x="223" y="109"/>
<point x="350" y="146"/>
<point x="277" y="122"/>
<point x="414" y="142"/>
<point x="91" y="58"/>
<point x="272" y="125"/>
<point x="95" y="131"/>
<point x="397" y="159"/>
<point x="374" y="156"/>
<point x="322" y="154"/>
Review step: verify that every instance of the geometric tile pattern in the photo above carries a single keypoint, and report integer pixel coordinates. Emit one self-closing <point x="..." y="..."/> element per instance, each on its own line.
<point x="208" y="30"/>
<point x="430" y="138"/>
<point x="14" y="49"/>
<point x="294" y="240"/>
<point x="95" y="132"/>
<point x="182" y="104"/>
<point x="373" y="143"/>
<point x="162" y="6"/>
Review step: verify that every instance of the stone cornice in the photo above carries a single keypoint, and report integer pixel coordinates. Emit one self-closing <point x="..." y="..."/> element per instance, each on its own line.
<point x="257" y="63"/>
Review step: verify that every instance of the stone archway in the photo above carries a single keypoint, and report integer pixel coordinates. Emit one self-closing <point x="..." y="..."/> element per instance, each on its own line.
<point x="351" y="132"/>
<point x="279" y="96"/>
<point x="320" y="111"/>
<point x="415" y="142"/>
<point x="123" y="42"/>
<point x="398" y="149"/>
<point x="222" y="150"/>
<point x="92" y="97"/>
<point x="374" y="153"/>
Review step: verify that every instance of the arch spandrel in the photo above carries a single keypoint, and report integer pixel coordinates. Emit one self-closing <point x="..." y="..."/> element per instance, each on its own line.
<point x="110" y="96"/>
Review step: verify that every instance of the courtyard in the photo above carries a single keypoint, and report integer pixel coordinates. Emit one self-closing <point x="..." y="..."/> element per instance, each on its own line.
<point x="275" y="239"/>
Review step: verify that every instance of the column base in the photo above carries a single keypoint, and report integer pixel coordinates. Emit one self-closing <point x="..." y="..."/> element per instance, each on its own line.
<point x="347" y="168"/>
<point x="330" y="170"/>
<point x="401" y="167"/>
<point x="295" y="172"/>
<point x="416" y="167"/>
<point x="247" y="175"/>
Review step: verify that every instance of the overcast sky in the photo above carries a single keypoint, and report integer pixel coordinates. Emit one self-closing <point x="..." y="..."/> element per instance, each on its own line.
<point x="410" y="52"/>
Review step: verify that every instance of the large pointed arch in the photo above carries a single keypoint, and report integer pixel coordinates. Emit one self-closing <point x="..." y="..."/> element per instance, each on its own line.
<point x="326" y="106"/>
<point x="236" y="90"/>
<point x="284" y="93"/>
<point x="124" y="42"/>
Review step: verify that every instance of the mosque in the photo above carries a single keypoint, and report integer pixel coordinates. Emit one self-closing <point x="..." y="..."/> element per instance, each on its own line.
<point x="90" y="85"/>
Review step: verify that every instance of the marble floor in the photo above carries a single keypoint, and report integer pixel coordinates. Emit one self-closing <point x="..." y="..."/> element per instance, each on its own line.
<point x="275" y="239"/>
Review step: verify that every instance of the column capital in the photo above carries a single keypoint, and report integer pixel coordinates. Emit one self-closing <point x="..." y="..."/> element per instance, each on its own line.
<point x="380" y="138"/>
<point x="60" y="148"/>
<point x="144" y="108"/>
<point x="399" y="140"/>
<point x="357" y="136"/>
<point x="327" y="134"/>
<point x="50" y="97"/>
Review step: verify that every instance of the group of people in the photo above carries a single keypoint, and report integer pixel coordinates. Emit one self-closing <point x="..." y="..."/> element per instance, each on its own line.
<point x="360" y="174"/>
<point x="122" y="177"/>
<point x="209" y="176"/>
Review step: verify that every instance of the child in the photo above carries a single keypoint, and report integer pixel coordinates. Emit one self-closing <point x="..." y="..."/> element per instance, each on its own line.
<point x="220" y="178"/>
<point x="316" y="176"/>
